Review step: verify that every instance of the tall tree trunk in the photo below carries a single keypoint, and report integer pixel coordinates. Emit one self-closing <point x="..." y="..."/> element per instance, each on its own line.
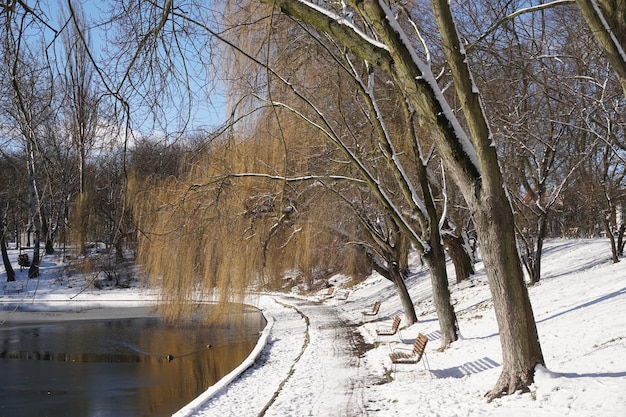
<point x="34" y="207"/>
<point x="463" y="266"/>
<point x="519" y="339"/>
<point x="405" y="298"/>
<point x="49" y="243"/>
<point x="436" y="261"/>
<point x="606" y="222"/>
<point x="119" y="247"/>
<point x="33" y="271"/>
<point x="3" y="247"/>
<point x="5" y="258"/>
<point x="435" y="257"/>
<point x="393" y="273"/>
<point x="541" y="235"/>
<point x="491" y="210"/>
<point x="81" y="223"/>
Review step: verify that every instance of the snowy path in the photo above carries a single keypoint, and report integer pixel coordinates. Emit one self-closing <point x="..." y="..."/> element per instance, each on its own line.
<point x="300" y="372"/>
<point x="330" y="370"/>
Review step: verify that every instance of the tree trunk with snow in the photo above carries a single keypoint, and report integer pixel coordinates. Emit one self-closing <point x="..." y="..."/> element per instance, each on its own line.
<point x="607" y="21"/>
<point x="491" y="210"/>
<point x="435" y="259"/>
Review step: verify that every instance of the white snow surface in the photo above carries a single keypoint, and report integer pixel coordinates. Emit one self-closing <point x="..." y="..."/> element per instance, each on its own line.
<point x="305" y="365"/>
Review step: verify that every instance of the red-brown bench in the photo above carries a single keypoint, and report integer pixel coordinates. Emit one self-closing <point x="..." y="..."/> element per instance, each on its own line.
<point x="403" y="355"/>
<point x="373" y="311"/>
<point x="389" y="330"/>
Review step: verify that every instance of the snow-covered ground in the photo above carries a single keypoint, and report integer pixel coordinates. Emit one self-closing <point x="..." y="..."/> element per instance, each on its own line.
<point x="306" y="365"/>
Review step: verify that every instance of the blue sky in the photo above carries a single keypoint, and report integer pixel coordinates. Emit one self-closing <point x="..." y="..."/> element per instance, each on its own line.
<point x="206" y="113"/>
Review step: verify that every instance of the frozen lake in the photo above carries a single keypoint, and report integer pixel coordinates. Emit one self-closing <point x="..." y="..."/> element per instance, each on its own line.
<point x="114" y="362"/>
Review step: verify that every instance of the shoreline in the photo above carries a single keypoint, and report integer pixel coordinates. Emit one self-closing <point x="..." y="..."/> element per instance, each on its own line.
<point x="21" y="317"/>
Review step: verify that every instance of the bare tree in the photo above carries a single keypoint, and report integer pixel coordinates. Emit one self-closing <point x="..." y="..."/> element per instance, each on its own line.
<point x="30" y="92"/>
<point x="533" y="124"/>
<point x="597" y="130"/>
<point x="80" y="107"/>
<point x="388" y="248"/>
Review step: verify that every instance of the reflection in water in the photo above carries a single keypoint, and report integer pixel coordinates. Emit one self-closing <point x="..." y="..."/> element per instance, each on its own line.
<point x="130" y="367"/>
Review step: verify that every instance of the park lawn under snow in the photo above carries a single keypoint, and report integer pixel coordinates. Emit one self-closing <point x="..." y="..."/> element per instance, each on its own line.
<point x="579" y="306"/>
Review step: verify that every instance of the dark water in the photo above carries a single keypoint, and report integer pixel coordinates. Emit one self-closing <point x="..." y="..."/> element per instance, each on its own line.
<point x="122" y="367"/>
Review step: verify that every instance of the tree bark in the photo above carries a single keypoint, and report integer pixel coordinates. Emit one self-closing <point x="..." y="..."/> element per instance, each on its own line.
<point x="393" y="273"/>
<point x="534" y="255"/>
<point x="436" y="261"/>
<point x="609" y="233"/>
<point x="600" y="13"/>
<point x="493" y="216"/>
<point x="5" y="255"/>
<point x="403" y="292"/>
<point x="463" y="266"/>
<point x="5" y="258"/>
<point x="620" y="239"/>
<point x="33" y="270"/>
<point x="521" y="350"/>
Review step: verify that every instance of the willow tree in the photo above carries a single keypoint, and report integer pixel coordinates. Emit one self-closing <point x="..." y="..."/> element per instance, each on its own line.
<point x="232" y="225"/>
<point x="469" y="155"/>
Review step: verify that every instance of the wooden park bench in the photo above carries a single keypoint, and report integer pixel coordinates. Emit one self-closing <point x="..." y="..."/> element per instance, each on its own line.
<point x="23" y="261"/>
<point x="324" y="296"/>
<point x="14" y="287"/>
<point x="403" y="355"/>
<point x="373" y="311"/>
<point x="389" y="331"/>
<point x="344" y="296"/>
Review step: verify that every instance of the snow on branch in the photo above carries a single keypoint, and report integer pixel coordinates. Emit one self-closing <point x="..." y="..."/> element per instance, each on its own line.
<point x="339" y="27"/>
<point x="608" y="30"/>
<point x="428" y="77"/>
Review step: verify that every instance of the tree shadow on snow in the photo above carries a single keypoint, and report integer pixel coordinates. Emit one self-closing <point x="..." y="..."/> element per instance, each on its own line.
<point x="587" y="304"/>
<point x="466" y="369"/>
